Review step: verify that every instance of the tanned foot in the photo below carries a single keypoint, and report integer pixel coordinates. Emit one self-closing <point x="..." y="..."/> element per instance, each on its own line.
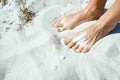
<point x="94" y="33"/>
<point x="73" y="20"/>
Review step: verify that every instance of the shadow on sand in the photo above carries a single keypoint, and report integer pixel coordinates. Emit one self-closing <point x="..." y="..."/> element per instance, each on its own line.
<point x="116" y="30"/>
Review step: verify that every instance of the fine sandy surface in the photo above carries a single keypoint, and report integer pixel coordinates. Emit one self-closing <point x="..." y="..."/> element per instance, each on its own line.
<point x="30" y="49"/>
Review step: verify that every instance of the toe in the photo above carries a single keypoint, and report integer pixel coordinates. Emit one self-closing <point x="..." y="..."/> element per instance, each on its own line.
<point x="79" y="49"/>
<point x="57" y="24"/>
<point x="85" y="50"/>
<point x="71" y="44"/>
<point x="75" y="47"/>
<point x="67" y="41"/>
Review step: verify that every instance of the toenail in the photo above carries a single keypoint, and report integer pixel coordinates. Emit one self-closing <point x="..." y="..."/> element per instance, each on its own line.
<point x="61" y="29"/>
<point x="57" y="29"/>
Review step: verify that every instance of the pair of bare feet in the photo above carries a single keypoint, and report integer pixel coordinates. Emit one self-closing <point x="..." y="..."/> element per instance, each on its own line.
<point x="94" y="33"/>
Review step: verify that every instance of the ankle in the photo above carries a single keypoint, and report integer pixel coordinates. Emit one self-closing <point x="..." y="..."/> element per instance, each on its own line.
<point x="94" y="13"/>
<point x="106" y="26"/>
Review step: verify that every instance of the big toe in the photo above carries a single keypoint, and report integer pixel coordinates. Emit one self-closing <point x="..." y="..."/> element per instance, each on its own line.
<point x="85" y="50"/>
<point x="58" y="23"/>
<point x="59" y="27"/>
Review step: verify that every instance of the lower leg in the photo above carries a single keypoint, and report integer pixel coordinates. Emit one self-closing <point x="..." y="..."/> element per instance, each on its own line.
<point x="95" y="7"/>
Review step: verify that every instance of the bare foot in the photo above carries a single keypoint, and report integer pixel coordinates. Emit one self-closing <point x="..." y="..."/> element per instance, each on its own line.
<point x="72" y="20"/>
<point x="94" y="33"/>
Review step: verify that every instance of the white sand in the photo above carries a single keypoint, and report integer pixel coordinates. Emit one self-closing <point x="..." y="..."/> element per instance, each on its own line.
<point x="35" y="51"/>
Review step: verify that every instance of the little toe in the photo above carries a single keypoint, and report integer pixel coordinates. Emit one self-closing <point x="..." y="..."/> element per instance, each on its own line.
<point x="71" y="44"/>
<point x="79" y="49"/>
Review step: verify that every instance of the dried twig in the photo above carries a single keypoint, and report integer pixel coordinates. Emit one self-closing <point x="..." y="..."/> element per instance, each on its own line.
<point x="28" y="14"/>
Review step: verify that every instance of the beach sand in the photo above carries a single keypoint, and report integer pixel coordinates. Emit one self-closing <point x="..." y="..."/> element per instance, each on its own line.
<point x="30" y="48"/>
